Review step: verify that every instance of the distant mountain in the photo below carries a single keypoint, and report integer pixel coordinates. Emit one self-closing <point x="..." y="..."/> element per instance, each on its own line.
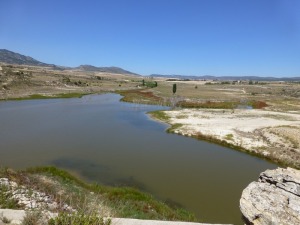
<point x="227" y="78"/>
<point x="111" y="69"/>
<point x="10" y="57"/>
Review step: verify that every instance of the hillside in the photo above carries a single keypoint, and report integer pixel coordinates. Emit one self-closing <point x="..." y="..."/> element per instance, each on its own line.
<point x="111" y="69"/>
<point x="10" y="57"/>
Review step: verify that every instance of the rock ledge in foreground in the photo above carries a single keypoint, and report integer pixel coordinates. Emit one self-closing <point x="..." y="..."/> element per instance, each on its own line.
<point x="274" y="199"/>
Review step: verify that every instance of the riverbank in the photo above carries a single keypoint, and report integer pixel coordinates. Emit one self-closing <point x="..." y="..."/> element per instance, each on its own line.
<point x="52" y="191"/>
<point x="267" y="134"/>
<point x="40" y="96"/>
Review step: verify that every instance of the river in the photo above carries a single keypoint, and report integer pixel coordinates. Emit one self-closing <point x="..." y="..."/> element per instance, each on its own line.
<point x="115" y="143"/>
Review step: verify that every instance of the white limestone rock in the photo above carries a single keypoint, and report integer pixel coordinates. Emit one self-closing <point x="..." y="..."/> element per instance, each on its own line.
<point x="274" y="199"/>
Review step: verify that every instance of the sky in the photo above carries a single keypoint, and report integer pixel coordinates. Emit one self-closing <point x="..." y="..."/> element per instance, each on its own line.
<point x="187" y="37"/>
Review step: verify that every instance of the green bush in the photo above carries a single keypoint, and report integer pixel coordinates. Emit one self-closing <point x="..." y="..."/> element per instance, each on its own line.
<point x="150" y="84"/>
<point x="78" y="219"/>
<point x="6" y="200"/>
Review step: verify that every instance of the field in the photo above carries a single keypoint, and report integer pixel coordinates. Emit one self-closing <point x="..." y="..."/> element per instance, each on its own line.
<point x="42" y="82"/>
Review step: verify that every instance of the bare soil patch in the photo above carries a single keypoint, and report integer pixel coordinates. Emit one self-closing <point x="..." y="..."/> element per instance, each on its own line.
<point x="273" y="135"/>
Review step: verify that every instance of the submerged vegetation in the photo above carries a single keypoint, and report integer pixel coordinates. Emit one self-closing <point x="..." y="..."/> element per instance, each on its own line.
<point x="89" y="199"/>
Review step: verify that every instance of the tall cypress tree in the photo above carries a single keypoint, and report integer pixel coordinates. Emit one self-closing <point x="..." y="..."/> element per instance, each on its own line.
<point x="174" y="88"/>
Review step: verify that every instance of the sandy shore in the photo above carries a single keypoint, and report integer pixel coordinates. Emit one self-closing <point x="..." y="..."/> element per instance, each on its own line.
<point x="274" y="135"/>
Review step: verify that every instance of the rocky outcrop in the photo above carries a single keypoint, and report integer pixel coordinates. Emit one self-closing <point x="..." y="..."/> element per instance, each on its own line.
<point x="274" y="199"/>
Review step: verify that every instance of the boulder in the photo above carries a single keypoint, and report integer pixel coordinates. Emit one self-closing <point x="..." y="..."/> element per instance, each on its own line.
<point x="274" y="199"/>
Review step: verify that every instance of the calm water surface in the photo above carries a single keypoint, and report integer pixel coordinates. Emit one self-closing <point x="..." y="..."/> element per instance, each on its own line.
<point x="116" y="143"/>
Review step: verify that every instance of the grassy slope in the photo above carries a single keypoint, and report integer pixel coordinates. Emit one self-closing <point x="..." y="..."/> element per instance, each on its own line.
<point x="113" y="201"/>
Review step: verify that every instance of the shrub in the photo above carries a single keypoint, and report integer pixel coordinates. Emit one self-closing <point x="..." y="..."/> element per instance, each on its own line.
<point x="6" y="200"/>
<point x="34" y="217"/>
<point x="78" y="219"/>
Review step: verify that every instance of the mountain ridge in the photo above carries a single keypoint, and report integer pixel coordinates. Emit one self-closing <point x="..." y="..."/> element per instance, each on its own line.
<point x="10" y="57"/>
<point x="109" y="69"/>
<point x="227" y="78"/>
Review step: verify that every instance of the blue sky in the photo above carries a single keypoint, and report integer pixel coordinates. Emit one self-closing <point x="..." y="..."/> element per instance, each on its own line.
<point x="193" y="37"/>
